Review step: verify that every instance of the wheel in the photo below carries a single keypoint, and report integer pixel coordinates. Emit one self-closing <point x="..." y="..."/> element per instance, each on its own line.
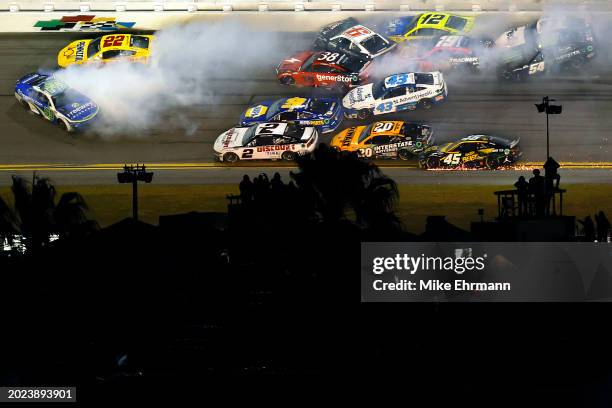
<point x="230" y="157"/>
<point x="364" y="114"/>
<point x="405" y="154"/>
<point x="63" y="125"/>
<point x="24" y="104"/>
<point x="492" y="163"/>
<point x="425" y="104"/>
<point x="287" y="80"/>
<point x="432" y="163"/>
<point x="289" y="155"/>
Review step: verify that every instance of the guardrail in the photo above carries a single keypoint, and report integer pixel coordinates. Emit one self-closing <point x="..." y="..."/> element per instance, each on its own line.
<point x="85" y="6"/>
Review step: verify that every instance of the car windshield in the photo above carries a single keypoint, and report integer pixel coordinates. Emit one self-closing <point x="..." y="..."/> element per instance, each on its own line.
<point x="318" y="106"/>
<point x="365" y="134"/>
<point x="458" y="23"/>
<point x="308" y="63"/>
<point x="352" y="64"/>
<point x="139" y="41"/>
<point x="274" y="108"/>
<point x="421" y="78"/>
<point x="93" y="48"/>
<point x="374" y="44"/>
<point x="378" y="89"/>
<point x="66" y="98"/>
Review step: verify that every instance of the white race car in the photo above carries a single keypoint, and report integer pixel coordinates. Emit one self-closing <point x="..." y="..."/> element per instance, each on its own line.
<point x="395" y="93"/>
<point x="269" y="140"/>
<point x="350" y="37"/>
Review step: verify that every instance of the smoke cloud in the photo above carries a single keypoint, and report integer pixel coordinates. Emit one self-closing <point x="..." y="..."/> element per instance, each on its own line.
<point x="191" y="66"/>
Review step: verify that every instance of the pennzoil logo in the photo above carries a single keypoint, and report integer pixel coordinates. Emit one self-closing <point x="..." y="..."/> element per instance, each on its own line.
<point x="80" y="51"/>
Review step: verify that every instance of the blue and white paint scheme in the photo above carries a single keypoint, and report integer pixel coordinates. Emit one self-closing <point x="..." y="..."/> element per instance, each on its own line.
<point x="395" y="93"/>
<point x="55" y="101"/>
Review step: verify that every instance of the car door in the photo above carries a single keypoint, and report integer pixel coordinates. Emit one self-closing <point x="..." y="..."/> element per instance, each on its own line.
<point x="389" y="101"/>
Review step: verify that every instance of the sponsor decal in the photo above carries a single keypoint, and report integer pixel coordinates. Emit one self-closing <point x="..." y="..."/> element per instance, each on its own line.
<point x="458" y="60"/>
<point x="256" y="111"/>
<point x="273" y="148"/>
<point x="335" y="78"/>
<point x="80" y="51"/>
<point x="346" y="142"/>
<point x="228" y="138"/>
<point x="81" y="108"/>
<point x="83" y="23"/>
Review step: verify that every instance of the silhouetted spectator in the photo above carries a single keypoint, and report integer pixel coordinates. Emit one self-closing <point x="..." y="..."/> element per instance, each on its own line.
<point x="588" y="228"/>
<point x="538" y="189"/>
<point x="261" y="188"/>
<point x="246" y="189"/>
<point x="603" y="226"/>
<point x="522" y="187"/>
<point x="276" y="184"/>
<point x="550" y="173"/>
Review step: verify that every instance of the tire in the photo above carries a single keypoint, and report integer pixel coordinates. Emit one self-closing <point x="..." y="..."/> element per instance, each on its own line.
<point x="492" y="163"/>
<point x="64" y="126"/>
<point x="24" y="104"/>
<point x="426" y="105"/>
<point x="289" y="155"/>
<point x="364" y="114"/>
<point x="230" y="157"/>
<point x="432" y="163"/>
<point x="287" y="80"/>
<point x="405" y="154"/>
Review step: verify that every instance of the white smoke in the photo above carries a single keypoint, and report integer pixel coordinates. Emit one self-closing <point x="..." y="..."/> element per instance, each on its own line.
<point x="190" y="67"/>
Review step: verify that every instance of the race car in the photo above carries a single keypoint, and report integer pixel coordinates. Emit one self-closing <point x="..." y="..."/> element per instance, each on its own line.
<point x="385" y="140"/>
<point x="547" y="45"/>
<point x="268" y="140"/>
<point x="108" y="48"/>
<point x="350" y="37"/>
<point x="427" y="26"/>
<point x="395" y="93"/>
<point x="323" y="69"/>
<point x="323" y="113"/>
<point x="55" y="101"/>
<point x="448" y="53"/>
<point x="474" y="151"/>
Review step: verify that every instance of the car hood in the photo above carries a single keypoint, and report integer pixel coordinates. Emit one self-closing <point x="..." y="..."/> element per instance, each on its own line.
<point x="347" y="139"/>
<point x="73" y="53"/>
<point x="79" y="109"/>
<point x="256" y="113"/>
<point x="358" y="95"/>
<point x="230" y="139"/>
<point x="295" y="62"/>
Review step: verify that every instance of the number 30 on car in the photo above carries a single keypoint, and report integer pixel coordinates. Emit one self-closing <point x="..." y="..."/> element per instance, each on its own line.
<point x="265" y="141"/>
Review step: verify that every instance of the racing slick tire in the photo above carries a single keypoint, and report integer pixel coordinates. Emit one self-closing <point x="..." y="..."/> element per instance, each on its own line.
<point x="405" y="154"/>
<point x="230" y="157"/>
<point x="289" y="156"/>
<point x="64" y="126"/>
<point x="287" y="80"/>
<point x="364" y="114"/>
<point x="425" y="104"/>
<point x="432" y="163"/>
<point x="492" y="163"/>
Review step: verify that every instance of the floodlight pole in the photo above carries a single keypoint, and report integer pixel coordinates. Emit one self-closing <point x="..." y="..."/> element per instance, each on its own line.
<point x="547" y="133"/>
<point x="135" y="199"/>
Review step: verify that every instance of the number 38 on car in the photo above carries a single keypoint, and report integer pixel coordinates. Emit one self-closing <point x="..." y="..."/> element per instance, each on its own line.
<point x="269" y="140"/>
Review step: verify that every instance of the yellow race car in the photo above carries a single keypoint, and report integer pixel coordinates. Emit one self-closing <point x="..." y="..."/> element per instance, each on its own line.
<point x="108" y="48"/>
<point x="427" y="26"/>
<point x="385" y="140"/>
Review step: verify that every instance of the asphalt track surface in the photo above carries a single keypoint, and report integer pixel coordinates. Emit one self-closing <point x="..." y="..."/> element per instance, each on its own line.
<point x="476" y="105"/>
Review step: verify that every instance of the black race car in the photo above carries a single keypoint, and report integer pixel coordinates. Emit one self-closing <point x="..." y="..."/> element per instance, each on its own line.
<point x="349" y="37"/>
<point x="548" y="45"/>
<point x="474" y="151"/>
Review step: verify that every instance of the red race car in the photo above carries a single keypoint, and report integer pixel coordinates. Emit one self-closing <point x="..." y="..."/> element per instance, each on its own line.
<point x="447" y="53"/>
<point x="325" y="69"/>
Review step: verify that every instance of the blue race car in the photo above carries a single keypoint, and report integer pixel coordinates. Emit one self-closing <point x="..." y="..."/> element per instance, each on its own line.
<point x="323" y="113"/>
<point x="51" y="98"/>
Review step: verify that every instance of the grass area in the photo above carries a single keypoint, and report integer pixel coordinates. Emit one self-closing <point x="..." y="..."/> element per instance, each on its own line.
<point x="109" y="204"/>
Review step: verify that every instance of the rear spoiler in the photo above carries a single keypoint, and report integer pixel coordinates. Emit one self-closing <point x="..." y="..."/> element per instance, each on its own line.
<point x="515" y="142"/>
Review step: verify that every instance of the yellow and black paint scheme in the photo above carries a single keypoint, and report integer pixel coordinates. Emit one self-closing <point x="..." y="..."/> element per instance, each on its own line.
<point x="108" y="48"/>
